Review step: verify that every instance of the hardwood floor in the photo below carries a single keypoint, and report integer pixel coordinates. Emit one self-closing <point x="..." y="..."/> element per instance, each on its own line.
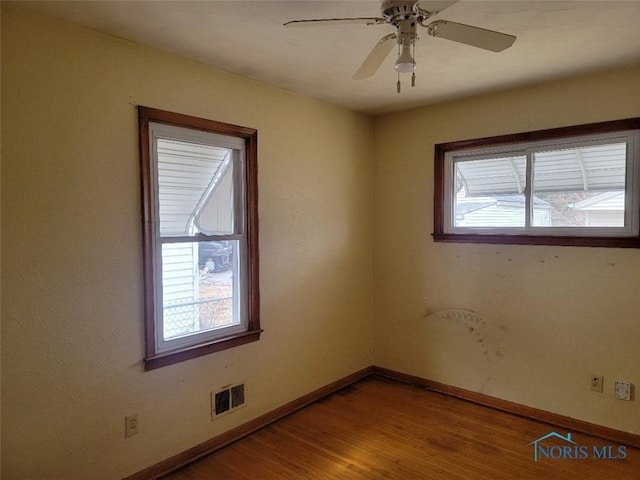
<point x="382" y="429"/>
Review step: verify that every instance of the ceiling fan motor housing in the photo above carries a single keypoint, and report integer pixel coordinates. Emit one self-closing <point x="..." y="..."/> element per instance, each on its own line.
<point x="403" y="15"/>
<point x="395" y="11"/>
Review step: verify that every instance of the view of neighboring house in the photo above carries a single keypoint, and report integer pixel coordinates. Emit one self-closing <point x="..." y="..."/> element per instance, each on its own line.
<point x="603" y="210"/>
<point x="571" y="186"/>
<point x="499" y="211"/>
<point x="195" y="190"/>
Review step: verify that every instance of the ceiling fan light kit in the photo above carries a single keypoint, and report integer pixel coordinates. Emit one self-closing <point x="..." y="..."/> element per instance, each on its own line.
<point x="407" y="37"/>
<point x="405" y="16"/>
<point x="405" y="62"/>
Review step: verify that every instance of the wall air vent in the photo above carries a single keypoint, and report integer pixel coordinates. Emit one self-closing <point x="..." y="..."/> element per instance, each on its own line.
<point x="227" y="399"/>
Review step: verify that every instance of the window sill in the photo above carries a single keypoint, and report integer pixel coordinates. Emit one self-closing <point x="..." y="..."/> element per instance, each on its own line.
<point x="567" y="241"/>
<point x="175" y="356"/>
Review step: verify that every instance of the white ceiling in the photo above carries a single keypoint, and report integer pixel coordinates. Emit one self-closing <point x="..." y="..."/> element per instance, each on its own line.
<point x="555" y="39"/>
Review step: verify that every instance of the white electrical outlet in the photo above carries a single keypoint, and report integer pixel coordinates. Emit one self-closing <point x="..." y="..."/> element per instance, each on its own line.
<point x="130" y="425"/>
<point x="597" y="382"/>
<point x="622" y="390"/>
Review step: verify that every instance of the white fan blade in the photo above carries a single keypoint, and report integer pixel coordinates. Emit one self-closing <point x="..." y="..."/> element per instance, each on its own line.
<point x="335" y="21"/>
<point x="474" y="36"/>
<point x="376" y="57"/>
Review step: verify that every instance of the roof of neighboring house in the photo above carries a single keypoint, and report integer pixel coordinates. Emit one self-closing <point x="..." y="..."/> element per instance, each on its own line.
<point x="462" y="208"/>
<point x="519" y="200"/>
<point x="604" y="201"/>
<point x="467" y="205"/>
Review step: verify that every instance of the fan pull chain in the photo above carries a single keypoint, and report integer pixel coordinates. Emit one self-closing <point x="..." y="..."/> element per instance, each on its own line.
<point x="413" y="74"/>
<point x="398" y="86"/>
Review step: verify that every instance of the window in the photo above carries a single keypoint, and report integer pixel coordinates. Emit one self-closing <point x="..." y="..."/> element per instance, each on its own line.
<point x="567" y="186"/>
<point x="200" y="236"/>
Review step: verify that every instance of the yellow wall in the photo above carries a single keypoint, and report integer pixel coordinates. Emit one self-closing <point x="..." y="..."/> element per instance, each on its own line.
<point x="71" y="261"/>
<point x="539" y="319"/>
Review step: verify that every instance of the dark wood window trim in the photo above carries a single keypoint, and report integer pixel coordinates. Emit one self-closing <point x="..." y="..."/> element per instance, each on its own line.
<point x="439" y="234"/>
<point x="153" y="359"/>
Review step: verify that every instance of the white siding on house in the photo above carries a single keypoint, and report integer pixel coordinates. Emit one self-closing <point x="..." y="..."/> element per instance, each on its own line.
<point x="180" y="287"/>
<point x="501" y="215"/>
<point x="604" y="210"/>
<point x="493" y="216"/>
<point x="498" y="211"/>
<point x="605" y="218"/>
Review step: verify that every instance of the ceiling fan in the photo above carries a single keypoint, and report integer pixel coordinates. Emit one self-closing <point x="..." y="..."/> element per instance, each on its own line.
<point x="405" y="16"/>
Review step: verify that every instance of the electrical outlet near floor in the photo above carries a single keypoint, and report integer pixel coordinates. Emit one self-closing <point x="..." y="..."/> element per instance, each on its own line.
<point x="130" y="425"/>
<point x="597" y="383"/>
<point x="622" y="390"/>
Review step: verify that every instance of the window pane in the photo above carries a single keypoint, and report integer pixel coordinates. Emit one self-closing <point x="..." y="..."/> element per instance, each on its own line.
<point x="489" y="192"/>
<point x="195" y="188"/>
<point x="198" y="287"/>
<point x="582" y="187"/>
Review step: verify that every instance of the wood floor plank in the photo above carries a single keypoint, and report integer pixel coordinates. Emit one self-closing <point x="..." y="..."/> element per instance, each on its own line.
<point x="382" y="429"/>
